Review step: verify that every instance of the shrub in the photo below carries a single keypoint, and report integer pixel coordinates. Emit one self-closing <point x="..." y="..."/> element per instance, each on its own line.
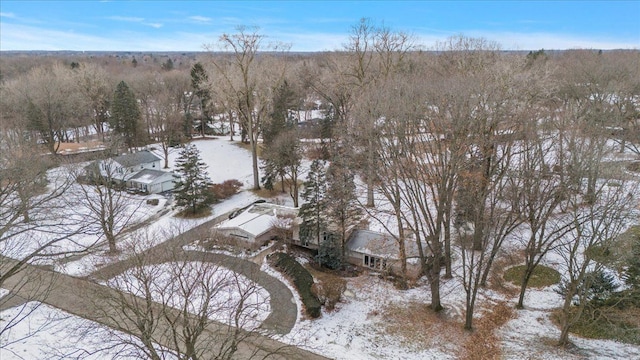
<point x="329" y="290"/>
<point x="153" y="202"/>
<point x="226" y="189"/>
<point x="302" y="280"/>
<point x="329" y="255"/>
<point x="634" y="166"/>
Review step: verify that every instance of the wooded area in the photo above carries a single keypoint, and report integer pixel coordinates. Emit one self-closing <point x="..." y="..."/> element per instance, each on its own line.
<point x="460" y="144"/>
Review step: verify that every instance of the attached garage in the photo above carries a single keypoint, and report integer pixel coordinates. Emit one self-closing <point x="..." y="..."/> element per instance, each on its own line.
<point x="152" y="181"/>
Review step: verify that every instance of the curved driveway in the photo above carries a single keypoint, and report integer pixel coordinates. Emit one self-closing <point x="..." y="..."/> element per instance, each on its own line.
<point x="284" y="311"/>
<point x="283" y="308"/>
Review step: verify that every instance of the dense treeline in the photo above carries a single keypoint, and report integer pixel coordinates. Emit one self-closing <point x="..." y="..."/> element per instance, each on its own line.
<point x="460" y="146"/>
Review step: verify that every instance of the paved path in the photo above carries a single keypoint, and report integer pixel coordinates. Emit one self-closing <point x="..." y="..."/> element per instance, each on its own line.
<point x="283" y="308"/>
<point x="284" y="311"/>
<point x="63" y="292"/>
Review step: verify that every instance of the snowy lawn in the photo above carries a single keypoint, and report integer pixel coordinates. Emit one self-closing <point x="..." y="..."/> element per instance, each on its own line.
<point x="68" y="223"/>
<point x="366" y="325"/>
<point x="201" y="289"/>
<point x="49" y="333"/>
<point x="361" y="325"/>
<point x="225" y="160"/>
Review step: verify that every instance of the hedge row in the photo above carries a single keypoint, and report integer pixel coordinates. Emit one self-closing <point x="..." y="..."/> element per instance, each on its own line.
<point x="302" y="279"/>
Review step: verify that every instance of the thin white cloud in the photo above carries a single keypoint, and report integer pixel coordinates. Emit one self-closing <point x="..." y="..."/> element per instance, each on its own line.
<point x="554" y="41"/>
<point x="7" y="15"/>
<point x="29" y="37"/>
<point x="200" y="19"/>
<point x="126" y="18"/>
<point x="22" y="37"/>
<point x="138" y="20"/>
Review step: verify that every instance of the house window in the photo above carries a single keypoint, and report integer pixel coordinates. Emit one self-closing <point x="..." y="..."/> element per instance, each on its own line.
<point x="375" y="262"/>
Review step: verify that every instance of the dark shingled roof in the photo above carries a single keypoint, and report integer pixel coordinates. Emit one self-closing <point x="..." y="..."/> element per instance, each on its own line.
<point x="141" y="157"/>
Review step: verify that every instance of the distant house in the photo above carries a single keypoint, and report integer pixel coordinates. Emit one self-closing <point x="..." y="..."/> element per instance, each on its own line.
<point x="152" y="181"/>
<point x="129" y="164"/>
<point x="379" y="251"/>
<point x="258" y="224"/>
<point x="140" y="171"/>
<point x="122" y="168"/>
<point x="71" y="149"/>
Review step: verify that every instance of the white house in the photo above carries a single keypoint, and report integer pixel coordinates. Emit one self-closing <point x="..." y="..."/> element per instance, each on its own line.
<point x="258" y="223"/>
<point x="152" y="181"/>
<point x="125" y="166"/>
<point x="139" y="170"/>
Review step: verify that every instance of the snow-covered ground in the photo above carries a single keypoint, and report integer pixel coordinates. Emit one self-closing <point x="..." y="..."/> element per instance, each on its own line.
<point x="356" y="329"/>
<point x="226" y="160"/>
<point x="211" y="290"/>
<point x="49" y="333"/>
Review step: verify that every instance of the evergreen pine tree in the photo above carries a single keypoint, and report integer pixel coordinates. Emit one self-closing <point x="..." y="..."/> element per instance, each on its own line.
<point x="631" y="275"/>
<point x="168" y="65"/>
<point x="192" y="190"/>
<point x="343" y="209"/>
<point x="125" y="115"/>
<point x="280" y="120"/>
<point x="274" y="134"/>
<point x="199" y="79"/>
<point x="312" y="212"/>
<point x="329" y="252"/>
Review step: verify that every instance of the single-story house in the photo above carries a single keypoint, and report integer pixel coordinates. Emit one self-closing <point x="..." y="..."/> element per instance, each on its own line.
<point x="379" y="251"/>
<point x="258" y="224"/>
<point x="152" y="181"/>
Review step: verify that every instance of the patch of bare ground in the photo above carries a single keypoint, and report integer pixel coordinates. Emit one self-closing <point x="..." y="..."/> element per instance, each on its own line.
<point x="247" y="146"/>
<point x="496" y="279"/>
<point x="483" y="342"/>
<point x="418" y="327"/>
<point x="266" y="193"/>
<point x="188" y="214"/>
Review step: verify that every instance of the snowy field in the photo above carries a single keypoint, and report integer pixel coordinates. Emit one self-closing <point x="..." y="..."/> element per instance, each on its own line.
<point x="49" y="333"/>
<point x="356" y="329"/>
<point x="172" y="283"/>
<point x="226" y="160"/>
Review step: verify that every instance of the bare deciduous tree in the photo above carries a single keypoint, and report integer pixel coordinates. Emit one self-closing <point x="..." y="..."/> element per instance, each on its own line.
<point x="249" y="77"/>
<point x="34" y="227"/>
<point x="51" y="105"/>
<point x="104" y="203"/>
<point x="185" y="310"/>
<point x="596" y="224"/>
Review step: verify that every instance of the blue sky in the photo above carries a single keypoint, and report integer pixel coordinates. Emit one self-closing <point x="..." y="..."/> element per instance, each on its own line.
<point x="120" y="25"/>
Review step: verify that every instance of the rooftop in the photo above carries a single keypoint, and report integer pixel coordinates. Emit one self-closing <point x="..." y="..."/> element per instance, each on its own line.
<point x="138" y="158"/>
<point x="147" y="176"/>
<point x="258" y="218"/>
